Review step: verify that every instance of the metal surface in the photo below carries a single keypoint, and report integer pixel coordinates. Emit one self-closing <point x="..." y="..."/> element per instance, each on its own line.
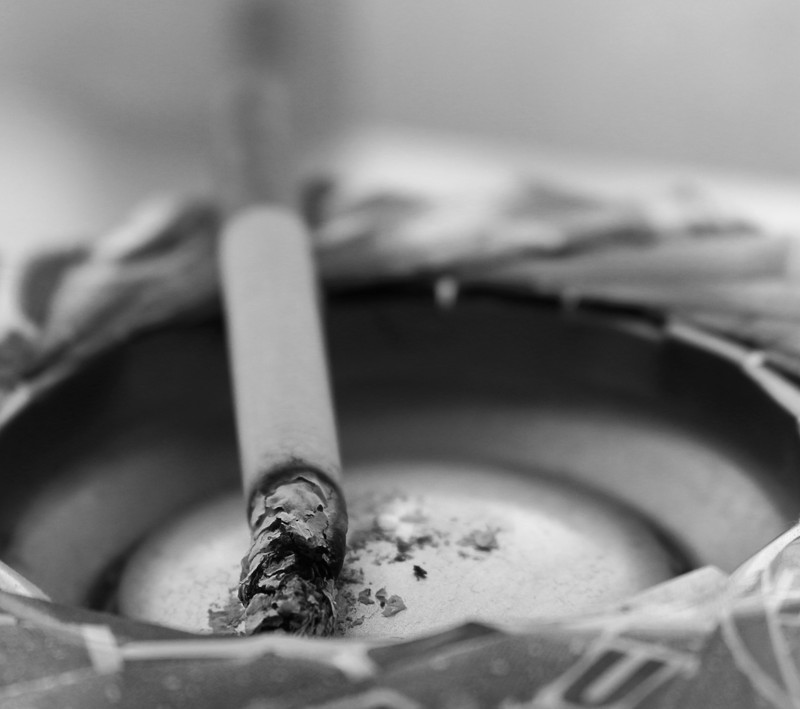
<point x="678" y="434"/>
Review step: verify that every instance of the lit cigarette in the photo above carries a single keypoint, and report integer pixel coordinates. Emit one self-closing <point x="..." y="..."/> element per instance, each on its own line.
<point x="286" y="429"/>
<point x="287" y="435"/>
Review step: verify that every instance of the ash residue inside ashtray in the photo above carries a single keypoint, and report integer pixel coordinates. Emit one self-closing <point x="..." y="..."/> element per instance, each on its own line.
<point x="397" y="529"/>
<point x="403" y="554"/>
<point x="228" y="619"/>
<point x="348" y="615"/>
<point x="396" y="540"/>
<point x="390" y="604"/>
<point x="394" y="604"/>
<point x="481" y="540"/>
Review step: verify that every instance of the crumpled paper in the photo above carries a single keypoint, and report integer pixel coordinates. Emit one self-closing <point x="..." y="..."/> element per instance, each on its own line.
<point x="64" y="305"/>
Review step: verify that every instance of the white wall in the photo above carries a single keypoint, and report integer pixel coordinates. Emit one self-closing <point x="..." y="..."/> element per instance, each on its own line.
<point x="102" y="102"/>
<point x="106" y="102"/>
<point x="708" y="81"/>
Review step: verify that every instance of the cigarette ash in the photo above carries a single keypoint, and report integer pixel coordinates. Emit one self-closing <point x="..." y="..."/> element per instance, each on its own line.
<point x="396" y="529"/>
<point x="482" y="540"/>
<point x="228" y="619"/>
<point x="391" y="605"/>
<point x="288" y="575"/>
<point x="365" y="597"/>
<point x="287" y="582"/>
<point x="389" y="532"/>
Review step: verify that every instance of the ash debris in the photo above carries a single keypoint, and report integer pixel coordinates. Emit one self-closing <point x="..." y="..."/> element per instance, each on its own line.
<point x="396" y="529"/>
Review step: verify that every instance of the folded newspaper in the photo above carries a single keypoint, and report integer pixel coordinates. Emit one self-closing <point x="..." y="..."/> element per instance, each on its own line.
<point x="701" y="640"/>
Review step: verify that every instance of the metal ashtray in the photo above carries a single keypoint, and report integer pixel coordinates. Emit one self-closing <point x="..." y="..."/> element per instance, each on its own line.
<point x="520" y="467"/>
<point x="642" y="446"/>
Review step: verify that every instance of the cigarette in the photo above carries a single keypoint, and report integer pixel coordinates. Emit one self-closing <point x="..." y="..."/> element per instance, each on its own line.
<point x="287" y="434"/>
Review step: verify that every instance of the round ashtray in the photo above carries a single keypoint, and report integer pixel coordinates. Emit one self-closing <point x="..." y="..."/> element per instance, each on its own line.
<point x="430" y="545"/>
<point x="508" y="463"/>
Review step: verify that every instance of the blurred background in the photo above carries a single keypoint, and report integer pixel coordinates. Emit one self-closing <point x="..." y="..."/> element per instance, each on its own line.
<point x="103" y="104"/>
